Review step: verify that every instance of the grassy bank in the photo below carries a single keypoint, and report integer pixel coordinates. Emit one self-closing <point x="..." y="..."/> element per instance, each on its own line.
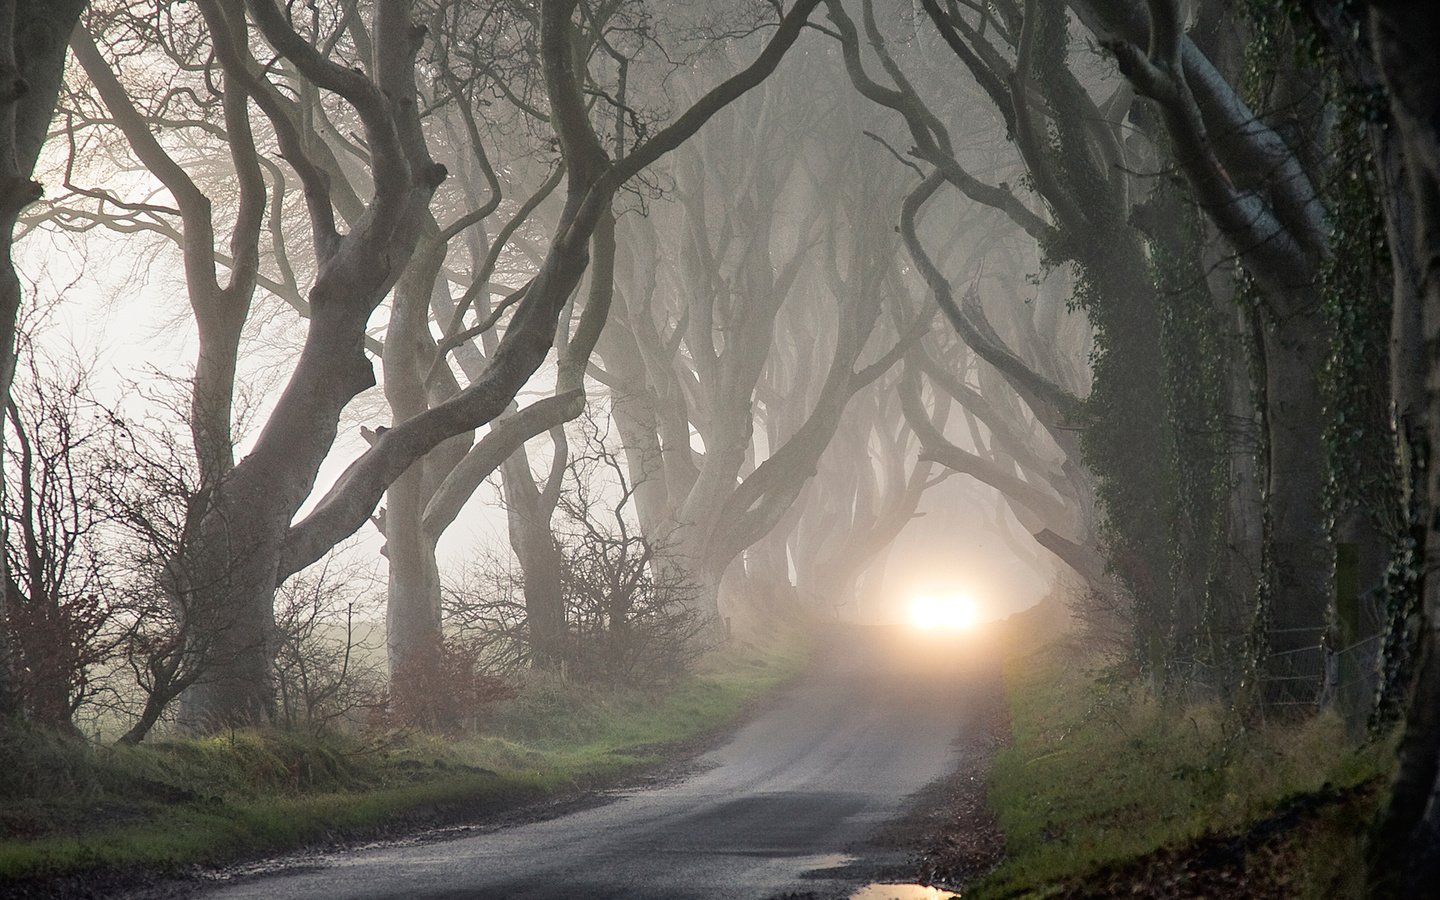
<point x="68" y="807"/>
<point x="1105" y="792"/>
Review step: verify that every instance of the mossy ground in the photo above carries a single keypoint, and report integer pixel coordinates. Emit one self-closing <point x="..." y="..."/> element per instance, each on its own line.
<point x="1105" y="791"/>
<point x="69" y="807"/>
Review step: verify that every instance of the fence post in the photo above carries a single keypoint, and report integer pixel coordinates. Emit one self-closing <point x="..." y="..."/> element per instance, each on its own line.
<point x="1349" y="689"/>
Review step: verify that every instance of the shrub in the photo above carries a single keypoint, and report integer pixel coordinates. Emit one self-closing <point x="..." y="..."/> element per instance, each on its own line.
<point x="445" y="688"/>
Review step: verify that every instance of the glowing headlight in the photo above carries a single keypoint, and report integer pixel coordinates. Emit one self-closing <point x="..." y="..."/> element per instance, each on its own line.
<point x="955" y="612"/>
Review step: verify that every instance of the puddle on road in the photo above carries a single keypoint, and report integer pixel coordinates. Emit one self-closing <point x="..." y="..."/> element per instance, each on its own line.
<point x="822" y="862"/>
<point x="901" y="892"/>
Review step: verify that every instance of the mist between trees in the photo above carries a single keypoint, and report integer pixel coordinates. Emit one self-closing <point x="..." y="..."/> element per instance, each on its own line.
<point x="722" y="301"/>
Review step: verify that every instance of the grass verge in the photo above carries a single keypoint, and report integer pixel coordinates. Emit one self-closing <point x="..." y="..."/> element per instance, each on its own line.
<point x="68" y="808"/>
<point x="1105" y="792"/>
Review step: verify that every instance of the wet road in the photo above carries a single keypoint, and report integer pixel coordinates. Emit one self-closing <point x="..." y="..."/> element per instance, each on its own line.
<point x="779" y="807"/>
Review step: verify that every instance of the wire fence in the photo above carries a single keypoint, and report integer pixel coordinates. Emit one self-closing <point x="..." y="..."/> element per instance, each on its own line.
<point x="1321" y="675"/>
<point x="1296" y="676"/>
<point x="1314" y="675"/>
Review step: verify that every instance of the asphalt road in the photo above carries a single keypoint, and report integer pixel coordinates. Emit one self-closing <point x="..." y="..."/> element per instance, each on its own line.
<point x="785" y="805"/>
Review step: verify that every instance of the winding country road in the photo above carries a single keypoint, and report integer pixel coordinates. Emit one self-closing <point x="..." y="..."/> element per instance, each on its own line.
<point x="784" y="806"/>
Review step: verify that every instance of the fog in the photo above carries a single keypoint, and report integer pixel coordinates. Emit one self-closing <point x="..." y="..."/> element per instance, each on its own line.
<point x="373" y="367"/>
<point x="743" y="325"/>
<point x="724" y="414"/>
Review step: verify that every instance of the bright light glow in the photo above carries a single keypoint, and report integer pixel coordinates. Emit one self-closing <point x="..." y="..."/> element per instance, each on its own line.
<point x="952" y="612"/>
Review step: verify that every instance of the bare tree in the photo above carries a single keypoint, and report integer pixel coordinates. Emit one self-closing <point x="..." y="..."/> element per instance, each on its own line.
<point x="622" y="618"/>
<point x="243" y="534"/>
<point x="59" y="612"/>
<point x="32" y="59"/>
<point x="326" y="663"/>
<point x="868" y="488"/>
<point x="724" y="323"/>
<point x="629" y="621"/>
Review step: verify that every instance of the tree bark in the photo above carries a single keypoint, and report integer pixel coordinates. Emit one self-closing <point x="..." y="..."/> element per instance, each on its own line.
<point x="244" y="544"/>
<point x="1405" y="859"/>
<point x="33" y="39"/>
<point x="412" y="614"/>
<point x="528" y="510"/>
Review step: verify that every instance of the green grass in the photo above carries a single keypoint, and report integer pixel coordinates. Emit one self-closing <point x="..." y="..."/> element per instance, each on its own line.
<point x="1098" y="774"/>
<point x="71" y="807"/>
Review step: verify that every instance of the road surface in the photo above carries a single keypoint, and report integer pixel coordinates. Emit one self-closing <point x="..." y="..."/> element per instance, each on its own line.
<point x="784" y="806"/>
